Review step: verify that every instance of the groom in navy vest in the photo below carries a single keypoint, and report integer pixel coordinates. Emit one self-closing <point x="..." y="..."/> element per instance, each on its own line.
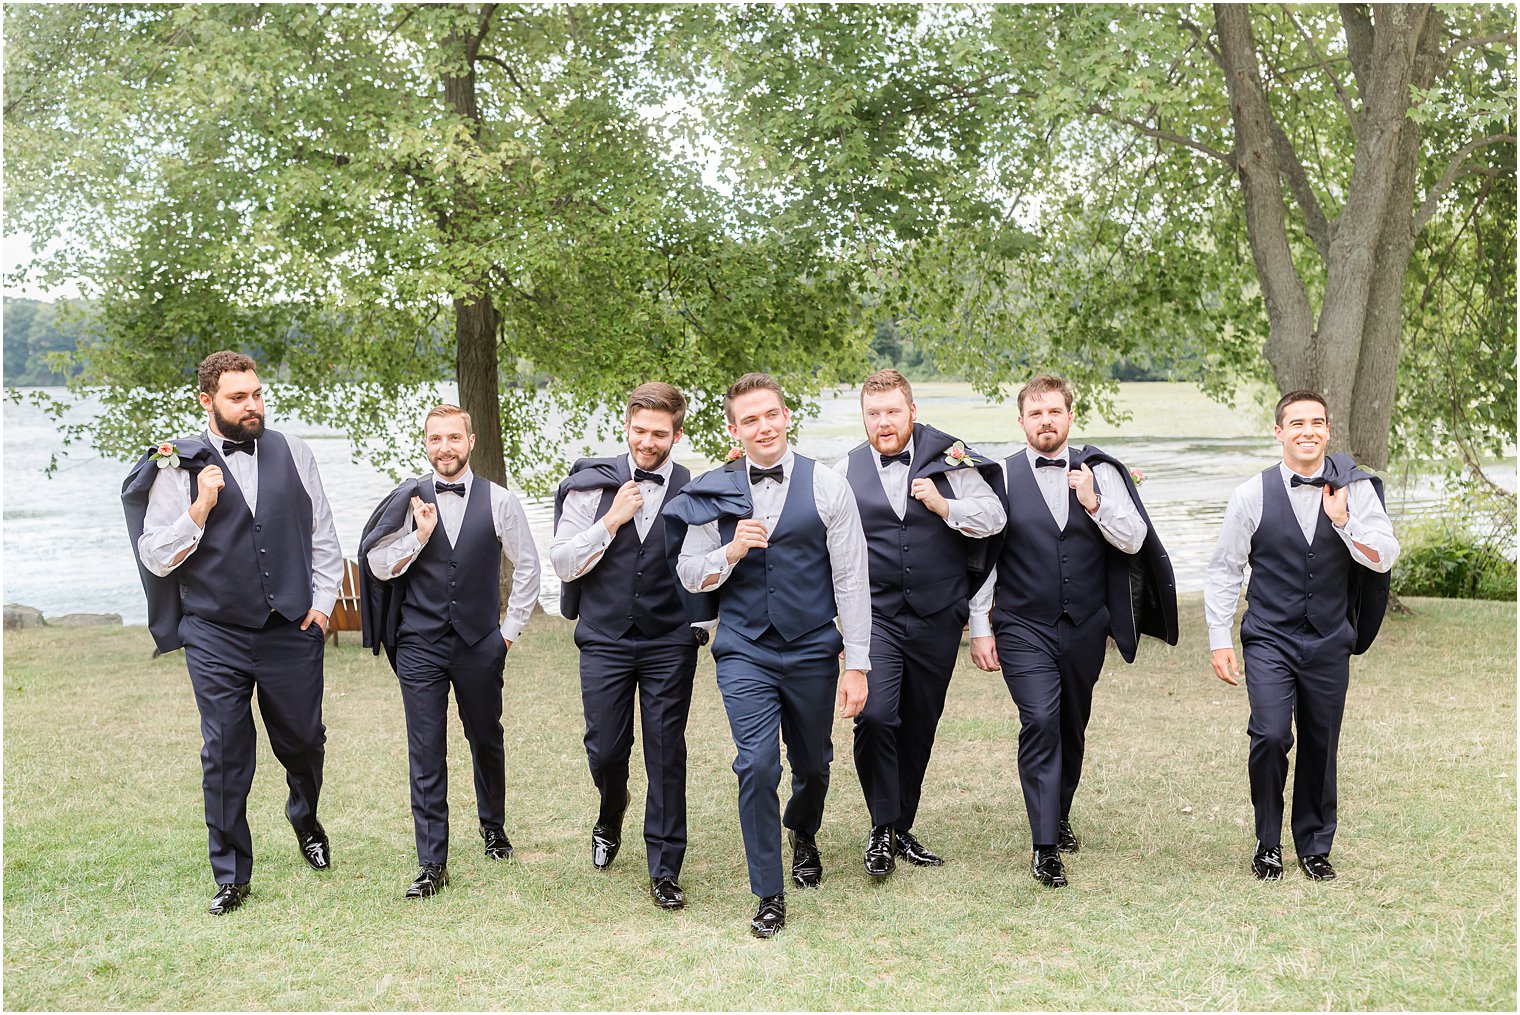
<point x="239" y="557"/>
<point x="1079" y="564"/>
<point x="777" y="540"/>
<point x="926" y="510"/>
<point x="1320" y="546"/>
<point x="431" y="590"/>
<point x="635" y="630"/>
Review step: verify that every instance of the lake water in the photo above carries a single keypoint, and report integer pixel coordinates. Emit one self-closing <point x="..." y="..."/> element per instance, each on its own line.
<point x="66" y="551"/>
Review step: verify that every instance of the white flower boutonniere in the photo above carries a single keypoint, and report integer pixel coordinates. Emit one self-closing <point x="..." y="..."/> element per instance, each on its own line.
<point x="956" y="455"/>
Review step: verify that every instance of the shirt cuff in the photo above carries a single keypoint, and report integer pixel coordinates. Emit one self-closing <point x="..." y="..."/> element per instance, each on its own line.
<point x="855" y="659"/>
<point x="955" y="513"/>
<point x="1220" y="637"/>
<point x="186" y="532"/>
<point x="324" y="602"/>
<point x="981" y="625"/>
<point x="511" y="630"/>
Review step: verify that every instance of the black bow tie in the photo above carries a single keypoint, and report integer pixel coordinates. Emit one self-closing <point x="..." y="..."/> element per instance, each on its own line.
<point x="644" y="476"/>
<point x="233" y="447"/>
<point x="1301" y="481"/>
<point x="774" y="472"/>
<point x="1049" y="463"/>
<point x="902" y="456"/>
<point x="449" y="488"/>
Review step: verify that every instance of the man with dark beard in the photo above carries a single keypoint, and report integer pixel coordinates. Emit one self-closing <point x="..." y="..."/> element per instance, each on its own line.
<point x="1063" y="585"/>
<point x="634" y="630"/>
<point x="923" y="500"/>
<point x="239" y="557"/>
<point x="434" y="546"/>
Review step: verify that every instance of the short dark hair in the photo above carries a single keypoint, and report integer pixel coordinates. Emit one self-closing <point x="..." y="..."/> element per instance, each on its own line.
<point x="1301" y="395"/>
<point x="1043" y="385"/>
<point x="657" y="396"/>
<point x="446" y="409"/>
<point x="886" y="380"/>
<point x="746" y="384"/>
<point x="212" y="367"/>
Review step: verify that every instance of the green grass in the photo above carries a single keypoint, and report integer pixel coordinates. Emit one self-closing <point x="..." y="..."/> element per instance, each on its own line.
<point x="106" y="877"/>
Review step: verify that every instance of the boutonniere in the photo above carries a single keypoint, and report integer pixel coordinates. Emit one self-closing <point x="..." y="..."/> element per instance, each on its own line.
<point x="733" y="453"/>
<point x="1136" y="476"/>
<point x="956" y="455"/>
<point x="166" y="456"/>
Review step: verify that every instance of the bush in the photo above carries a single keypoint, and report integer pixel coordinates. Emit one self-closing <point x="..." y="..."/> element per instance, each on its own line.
<point x="1438" y="560"/>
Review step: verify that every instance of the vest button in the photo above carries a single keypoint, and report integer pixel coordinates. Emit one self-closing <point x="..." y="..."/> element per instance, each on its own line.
<point x="1311" y="574"/>
<point x="452" y="584"/>
<point x="262" y="550"/>
<point x="641" y="554"/>
<point x="1061" y="538"/>
<point x="1311" y="595"/>
<point x="772" y="591"/>
<point x="270" y="596"/>
<point x="1066" y="602"/>
<point x="453" y="602"/>
<point x="640" y="574"/>
<point x="1065" y="581"/>
<point x="635" y="595"/>
<point x="907" y="570"/>
<point x="266" y="575"/>
<point x="1311" y="554"/>
<point x="905" y="549"/>
<point x="258" y="528"/>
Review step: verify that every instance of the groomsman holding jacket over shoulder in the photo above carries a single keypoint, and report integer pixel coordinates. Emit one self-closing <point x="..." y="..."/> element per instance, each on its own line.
<point x="634" y="629"/>
<point x="1320" y="545"/>
<point x="431" y="591"/>
<point x="926" y="508"/>
<point x="239" y="557"/>
<point x="1080" y="563"/>
<point x="777" y="541"/>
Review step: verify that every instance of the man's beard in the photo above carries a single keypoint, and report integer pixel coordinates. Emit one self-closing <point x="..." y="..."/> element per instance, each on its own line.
<point x="1048" y="441"/>
<point x="245" y="431"/>
<point x="459" y="464"/>
<point x="901" y="442"/>
<point x="660" y="458"/>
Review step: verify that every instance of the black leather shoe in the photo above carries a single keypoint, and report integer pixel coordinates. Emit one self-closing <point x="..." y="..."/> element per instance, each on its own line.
<point x="1066" y="839"/>
<point x="227" y="898"/>
<point x="916" y="852"/>
<point x="605" y="843"/>
<point x="314" y="848"/>
<point x="770" y="916"/>
<point x="667" y="893"/>
<point x="1048" y="869"/>
<point x="498" y="846"/>
<point x="429" y="881"/>
<point x="880" y="846"/>
<point x="807" y="865"/>
<point x="1317" y="867"/>
<point x="1267" y="863"/>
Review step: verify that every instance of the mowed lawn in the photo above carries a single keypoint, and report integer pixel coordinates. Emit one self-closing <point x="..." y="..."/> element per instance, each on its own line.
<point x="106" y="878"/>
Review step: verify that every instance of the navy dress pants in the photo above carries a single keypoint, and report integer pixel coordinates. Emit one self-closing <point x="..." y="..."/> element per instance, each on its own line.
<point x="912" y="658"/>
<point x="227" y="665"/>
<point x="775" y="691"/>
<point x="1295" y="673"/>
<point x="1050" y="670"/>
<point x="660" y="670"/>
<point x="426" y="670"/>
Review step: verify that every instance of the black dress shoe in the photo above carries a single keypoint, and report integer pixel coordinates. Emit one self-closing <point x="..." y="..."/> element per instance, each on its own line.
<point x="1317" y="867"/>
<point x="807" y="865"/>
<point x="498" y="846"/>
<point x="605" y="843"/>
<point x="1047" y="868"/>
<point x="1267" y="863"/>
<point x="429" y="881"/>
<point x="916" y="852"/>
<point x="314" y="848"/>
<point x="770" y="916"/>
<point x="1066" y="839"/>
<point x="880" y="846"/>
<point x="227" y="898"/>
<point x="667" y="893"/>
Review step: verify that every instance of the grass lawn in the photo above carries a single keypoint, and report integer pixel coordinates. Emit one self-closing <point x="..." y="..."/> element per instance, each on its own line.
<point x="106" y="878"/>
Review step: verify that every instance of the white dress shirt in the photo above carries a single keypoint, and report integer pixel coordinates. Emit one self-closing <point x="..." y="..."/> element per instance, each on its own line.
<point x="1367" y="523"/>
<point x="581" y="538"/>
<point x="703" y="556"/>
<point x="1117" y="518"/>
<point x="394" y="553"/>
<point x="975" y="510"/>
<point x="168" y="529"/>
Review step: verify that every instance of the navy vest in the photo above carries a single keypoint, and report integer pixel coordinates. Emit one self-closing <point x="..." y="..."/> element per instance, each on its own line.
<point x="456" y="587"/>
<point x="1293" y="581"/>
<point x="1044" y="571"/>
<point x="790" y="584"/>
<point x="632" y="585"/>
<point x="916" y="561"/>
<point x="245" y="566"/>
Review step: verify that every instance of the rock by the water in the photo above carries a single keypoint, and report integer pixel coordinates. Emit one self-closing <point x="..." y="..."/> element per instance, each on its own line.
<point x="86" y="620"/>
<point x="19" y="617"/>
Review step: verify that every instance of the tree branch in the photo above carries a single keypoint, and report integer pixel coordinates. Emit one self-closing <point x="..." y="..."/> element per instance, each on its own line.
<point x="1358" y="27"/>
<point x="1292" y="169"/>
<point x="1165" y="135"/>
<point x="521" y="90"/>
<point x="1428" y="207"/>
<point x="1480" y="42"/>
<point x="1340" y="90"/>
